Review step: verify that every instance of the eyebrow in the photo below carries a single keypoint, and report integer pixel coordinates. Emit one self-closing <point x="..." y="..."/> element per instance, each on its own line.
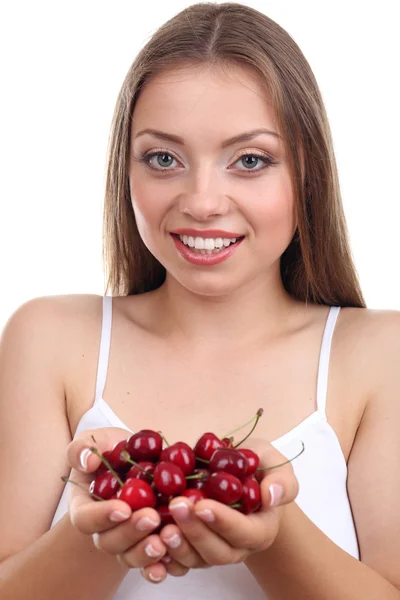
<point x="242" y="137"/>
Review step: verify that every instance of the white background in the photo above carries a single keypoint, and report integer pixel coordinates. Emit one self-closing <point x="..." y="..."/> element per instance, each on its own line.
<point x="62" y="68"/>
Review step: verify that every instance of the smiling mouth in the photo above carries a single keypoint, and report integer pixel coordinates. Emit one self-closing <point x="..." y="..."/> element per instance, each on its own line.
<point x="200" y="245"/>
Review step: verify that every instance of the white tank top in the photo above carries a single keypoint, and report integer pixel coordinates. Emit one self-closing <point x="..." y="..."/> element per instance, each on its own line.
<point x="321" y="472"/>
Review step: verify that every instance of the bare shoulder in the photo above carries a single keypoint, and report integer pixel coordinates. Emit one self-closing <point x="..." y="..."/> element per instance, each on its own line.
<point x="370" y="339"/>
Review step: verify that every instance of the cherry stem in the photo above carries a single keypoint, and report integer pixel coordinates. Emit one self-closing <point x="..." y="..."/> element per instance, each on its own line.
<point x="284" y="463"/>
<point x="237" y="505"/>
<point x="161" y="433"/>
<point x="258" y="415"/>
<point x="196" y="476"/>
<point x="65" y="480"/>
<point x="126" y="458"/>
<point x="92" y="436"/>
<point x="109" y="467"/>
<point x="203" y="460"/>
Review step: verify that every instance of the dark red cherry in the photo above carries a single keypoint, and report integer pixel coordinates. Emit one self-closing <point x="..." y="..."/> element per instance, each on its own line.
<point x="169" y="479"/>
<point x="230" y="461"/>
<point x="206" y="445"/>
<point x="103" y="467"/>
<point x="162" y="500"/>
<point x="104" y="485"/>
<point x="227" y="442"/>
<point x="224" y="487"/>
<point x="137" y="493"/>
<point x="200" y="482"/>
<point x="138" y="473"/>
<point x="194" y="494"/>
<point x="251" y="497"/>
<point x="180" y="454"/>
<point x="252" y="459"/>
<point x="166" y="516"/>
<point x="145" y="445"/>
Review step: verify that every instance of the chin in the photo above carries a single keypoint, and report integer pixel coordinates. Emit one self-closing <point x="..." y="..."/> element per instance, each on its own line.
<point x="212" y="285"/>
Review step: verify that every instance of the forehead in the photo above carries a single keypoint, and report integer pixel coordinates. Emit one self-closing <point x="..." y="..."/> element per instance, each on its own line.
<point x="195" y="95"/>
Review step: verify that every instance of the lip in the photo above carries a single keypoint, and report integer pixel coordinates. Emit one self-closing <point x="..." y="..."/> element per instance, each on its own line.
<point x="210" y="233"/>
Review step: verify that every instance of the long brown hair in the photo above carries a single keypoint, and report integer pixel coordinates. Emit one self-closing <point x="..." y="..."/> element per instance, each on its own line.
<point x="317" y="266"/>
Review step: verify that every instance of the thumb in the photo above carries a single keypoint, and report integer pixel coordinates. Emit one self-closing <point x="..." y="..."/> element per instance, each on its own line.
<point x="79" y="454"/>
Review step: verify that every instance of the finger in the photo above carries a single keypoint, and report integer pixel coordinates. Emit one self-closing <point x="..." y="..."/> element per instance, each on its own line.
<point x="78" y="451"/>
<point x="173" y="567"/>
<point x="154" y="573"/>
<point x="146" y="552"/>
<point x="210" y="546"/>
<point x="123" y="537"/>
<point x="255" y="531"/>
<point x="179" y="548"/>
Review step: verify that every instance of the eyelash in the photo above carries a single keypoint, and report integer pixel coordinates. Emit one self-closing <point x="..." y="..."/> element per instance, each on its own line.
<point x="145" y="159"/>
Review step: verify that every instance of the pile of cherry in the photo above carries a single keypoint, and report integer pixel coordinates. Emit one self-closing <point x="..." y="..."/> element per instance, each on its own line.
<point x="142" y="473"/>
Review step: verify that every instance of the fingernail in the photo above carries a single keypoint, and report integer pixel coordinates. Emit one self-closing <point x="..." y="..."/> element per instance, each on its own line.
<point x="174" y="541"/>
<point x="276" y="491"/>
<point x="151" y="551"/>
<point x="83" y="458"/>
<point x="96" y="540"/>
<point x="146" y="523"/>
<point x="180" y="510"/>
<point x="206" y="515"/>
<point x="155" y="579"/>
<point x="117" y="516"/>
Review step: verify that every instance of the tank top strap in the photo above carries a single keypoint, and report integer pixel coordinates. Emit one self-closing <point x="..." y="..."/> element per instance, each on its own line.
<point x="104" y="352"/>
<point x="323" y="368"/>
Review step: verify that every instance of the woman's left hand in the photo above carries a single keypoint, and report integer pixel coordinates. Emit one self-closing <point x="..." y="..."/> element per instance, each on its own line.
<point x="211" y="533"/>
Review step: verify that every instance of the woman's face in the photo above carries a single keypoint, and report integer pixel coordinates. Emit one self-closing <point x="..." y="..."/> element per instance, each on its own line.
<point x="202" y="190"/>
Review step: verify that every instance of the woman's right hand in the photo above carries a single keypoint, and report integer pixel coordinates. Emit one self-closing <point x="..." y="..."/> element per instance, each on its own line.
<point x="114" y="527"/>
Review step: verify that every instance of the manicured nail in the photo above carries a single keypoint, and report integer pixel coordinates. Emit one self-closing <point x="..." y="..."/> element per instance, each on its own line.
<point x="146" y="523"/>
<point x="151" y="551"/>
<point x="180" y="510"/>
<point x="155" y="579"/>
<point x="96" y="542"/>
<point x="117" y="516"/>
<point x="206" y="515"/>
<point x="83" y="458"/>
<point x="174" y="541"/>
<point x="276" y="491"/>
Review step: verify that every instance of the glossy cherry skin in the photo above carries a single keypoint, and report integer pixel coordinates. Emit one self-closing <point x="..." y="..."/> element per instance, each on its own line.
<point x="162" y="500"/>
<point x="230" y="461"/>
<point x="224" y="487"/>
<point x="145" y="445"/>
<point x="206" y="445"/>
<point x="227" y="442"/>
<point x="180" y="454"/>
<point x="252" y="459"/>
<point x="194" y="494"/>
<point x="104" y="485"/>
<point x="200" y="482"/>
<point x="114" y="458"/>
<point x="137" y="473"/>
<point x="137" y="493"/>
<point x="251" y="497"/>
<point x="169" y="479"/>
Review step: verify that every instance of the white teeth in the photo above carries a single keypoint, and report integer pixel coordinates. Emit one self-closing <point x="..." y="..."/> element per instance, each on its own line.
<point x="206" y="245"/>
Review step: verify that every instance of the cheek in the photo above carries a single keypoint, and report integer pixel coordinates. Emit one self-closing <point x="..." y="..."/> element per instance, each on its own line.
<point x="148" y="210"/>
<point x="274" y="209"/>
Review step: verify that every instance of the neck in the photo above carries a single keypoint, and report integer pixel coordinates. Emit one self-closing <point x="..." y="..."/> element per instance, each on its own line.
<point x="259" y="309"/>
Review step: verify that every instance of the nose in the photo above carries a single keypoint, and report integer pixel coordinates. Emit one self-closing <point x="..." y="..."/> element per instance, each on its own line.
<point x="204" y="201"/>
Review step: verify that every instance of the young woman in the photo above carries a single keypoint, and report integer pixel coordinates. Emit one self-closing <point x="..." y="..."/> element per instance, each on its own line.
<point x="232" y="287"/>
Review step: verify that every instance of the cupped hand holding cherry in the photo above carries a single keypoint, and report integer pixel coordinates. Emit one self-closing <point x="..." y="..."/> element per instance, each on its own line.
<point x="167" y="510"/>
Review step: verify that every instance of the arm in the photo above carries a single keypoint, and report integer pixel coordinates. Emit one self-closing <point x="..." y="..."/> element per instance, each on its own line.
<point x="303" y="563"/>
<point x="37" y="562"/>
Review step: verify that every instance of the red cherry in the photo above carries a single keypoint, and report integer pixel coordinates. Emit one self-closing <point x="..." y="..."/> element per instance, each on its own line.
<point x="224" y="487"/>
<point x="137" y="473"/>
<point x="169" y="479"/>
<point x="206" y="445"/>
<point x="103" y="467"/>
<point x="227" y="442"/>
<point x="230" y="461"/>
<point x="199" y="482"/>
<point x="251" y="497"/>
<point x="252" y="459"/>
<point x="194" y="494"/>
<point x="163" y="500"/>
<point x="104" y="485"/>
<point x="137" y="493"/>
<point x="180" y="454"/>
<point x="145" y="445"/>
